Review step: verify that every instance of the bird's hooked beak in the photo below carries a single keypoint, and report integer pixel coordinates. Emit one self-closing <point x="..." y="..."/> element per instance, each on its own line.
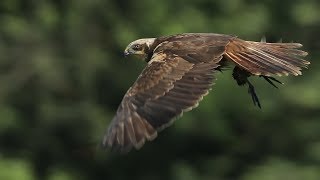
<point x="126" y="53"/>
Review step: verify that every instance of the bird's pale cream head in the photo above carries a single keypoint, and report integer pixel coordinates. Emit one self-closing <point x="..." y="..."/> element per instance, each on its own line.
<point x="139" y="47"/>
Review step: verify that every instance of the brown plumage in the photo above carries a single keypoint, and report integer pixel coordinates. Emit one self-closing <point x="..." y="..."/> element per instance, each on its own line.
<point x="180" y="71"/>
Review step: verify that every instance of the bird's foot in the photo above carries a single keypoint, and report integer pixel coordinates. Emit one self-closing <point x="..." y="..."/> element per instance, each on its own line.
<point x="253" y="94"/>
<point x="271" y="79"/>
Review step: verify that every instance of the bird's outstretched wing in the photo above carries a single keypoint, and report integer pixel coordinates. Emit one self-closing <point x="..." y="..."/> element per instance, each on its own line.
<point x="261" y="58"/>
<point x="165" y="89"/>
<point x="173" y="82"/>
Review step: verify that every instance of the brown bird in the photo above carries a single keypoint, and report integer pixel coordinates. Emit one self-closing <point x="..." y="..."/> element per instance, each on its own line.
<point x="180" y="71"/>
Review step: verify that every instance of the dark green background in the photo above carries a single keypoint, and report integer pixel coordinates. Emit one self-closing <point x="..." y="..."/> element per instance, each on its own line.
<point x="62" y="76"/>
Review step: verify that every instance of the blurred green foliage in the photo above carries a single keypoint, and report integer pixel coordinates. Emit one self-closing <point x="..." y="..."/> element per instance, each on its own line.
<point x="62" y="76"/>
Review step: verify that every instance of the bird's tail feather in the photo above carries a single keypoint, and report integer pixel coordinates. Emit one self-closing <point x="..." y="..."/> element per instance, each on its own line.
<point x="261" y="58"/>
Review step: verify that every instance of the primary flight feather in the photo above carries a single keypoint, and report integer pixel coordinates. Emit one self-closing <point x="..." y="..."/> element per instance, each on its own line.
<point x="180" y="72"/>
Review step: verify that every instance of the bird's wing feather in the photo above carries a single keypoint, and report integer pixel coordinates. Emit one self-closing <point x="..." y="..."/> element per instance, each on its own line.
<point x="162" y="92"/>
<point x="260" y="58"/>
<point x="174" y="81"/>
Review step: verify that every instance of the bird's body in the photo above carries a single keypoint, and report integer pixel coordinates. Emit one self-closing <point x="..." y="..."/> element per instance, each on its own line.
<point x="180" y="72"/>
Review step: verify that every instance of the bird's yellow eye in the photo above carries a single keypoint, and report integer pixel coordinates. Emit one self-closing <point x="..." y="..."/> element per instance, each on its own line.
<point x="136" y="47"/>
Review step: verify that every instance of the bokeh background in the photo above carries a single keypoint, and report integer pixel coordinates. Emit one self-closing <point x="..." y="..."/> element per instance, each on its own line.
<point x="62" y="76"/>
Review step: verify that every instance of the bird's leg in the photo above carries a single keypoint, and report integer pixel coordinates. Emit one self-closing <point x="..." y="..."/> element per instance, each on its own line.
<point x="268" y="78"/>
<point x="241" y="76"/>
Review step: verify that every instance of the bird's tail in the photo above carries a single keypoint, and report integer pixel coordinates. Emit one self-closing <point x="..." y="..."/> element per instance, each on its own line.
<point x="261" y="58"/>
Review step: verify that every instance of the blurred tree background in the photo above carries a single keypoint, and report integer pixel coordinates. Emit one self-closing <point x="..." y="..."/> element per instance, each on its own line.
<point x="62" y="76"/>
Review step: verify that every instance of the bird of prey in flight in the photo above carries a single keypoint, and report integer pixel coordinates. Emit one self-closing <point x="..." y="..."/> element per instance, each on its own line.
<point x="180" y="71"/>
